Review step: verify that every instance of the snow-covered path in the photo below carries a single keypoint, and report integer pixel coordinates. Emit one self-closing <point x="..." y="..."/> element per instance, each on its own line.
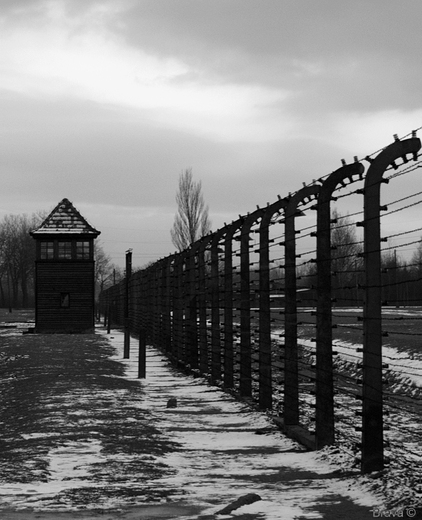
<point x="228" y="450"/>
<point x="216" y="450"/>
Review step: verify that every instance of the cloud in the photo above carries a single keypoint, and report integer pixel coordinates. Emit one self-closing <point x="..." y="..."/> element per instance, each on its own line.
<point x="91" y="152"/>
<point x="64" y="58"/>
<point x="326" y="54"/>
<point x="231" y="71"/>
<point x="106" y="102"/>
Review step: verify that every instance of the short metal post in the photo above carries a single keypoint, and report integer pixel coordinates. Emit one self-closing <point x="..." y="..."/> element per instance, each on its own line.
<point x="109" y="312"/>
<point x="142" y="359"/>
<point x="106" y="307"/>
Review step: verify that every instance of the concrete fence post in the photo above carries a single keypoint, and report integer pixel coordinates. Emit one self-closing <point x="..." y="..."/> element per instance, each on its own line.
<point x="372" y="399"/>
<point x="203" y="305"/>
<point x="324" y="420"/>
<point x="245" y="387"/>
<point x="191" y="309"/>
<point x="291" y="375"/>
<point x="265" y="354"/>
<point x="178" y="307"/>
<point x="126" y="349"/>
<point x="228" y="304"/>
<point x="216" y="364"/>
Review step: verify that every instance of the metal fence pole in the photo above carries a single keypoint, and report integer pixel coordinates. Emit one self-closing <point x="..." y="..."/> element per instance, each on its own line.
<point x="144" y="300"/>
<point x="106" y="305"/>
<point x="142" y="354"/>
<point x="109" y="315"/>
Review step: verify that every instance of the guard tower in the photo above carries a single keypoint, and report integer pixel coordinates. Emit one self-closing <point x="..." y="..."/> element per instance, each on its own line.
<point x="64" y="272"/>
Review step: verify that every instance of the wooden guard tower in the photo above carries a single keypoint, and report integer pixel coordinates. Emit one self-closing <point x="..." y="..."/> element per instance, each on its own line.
<point x="64" y="272"/>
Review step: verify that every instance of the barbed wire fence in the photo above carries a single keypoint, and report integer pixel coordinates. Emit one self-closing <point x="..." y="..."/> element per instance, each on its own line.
<point x="307" y="307"/>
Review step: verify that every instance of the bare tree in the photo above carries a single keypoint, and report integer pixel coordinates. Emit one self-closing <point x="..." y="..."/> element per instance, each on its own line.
<point x="346" y="263"/>
<point x="415" y="275"/>
<point x="191" y="221"/>
<point x="17" y="257"/>
<point x="106" y="273"/>
<point x="346" y="246"/>
<point x="416" y="260"/>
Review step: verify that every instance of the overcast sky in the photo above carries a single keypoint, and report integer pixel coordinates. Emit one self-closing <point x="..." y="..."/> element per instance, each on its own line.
<point x="106" y="102"/>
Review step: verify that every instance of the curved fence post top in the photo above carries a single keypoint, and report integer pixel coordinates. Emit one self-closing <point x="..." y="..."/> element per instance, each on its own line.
<point x="251" y="218"/>
<point x="203" y="242"/>
<point x="194" y="248"/>
<point x="218" y="235"/>
<point x="347" y="171"/>
<point x="372" y="385"/>
<point x="233" y="227"/>
<point x="271" y="209"/>
<point x="307" y="192"/>
<point x="388" y="156"/>
<point x="164" y="262"/>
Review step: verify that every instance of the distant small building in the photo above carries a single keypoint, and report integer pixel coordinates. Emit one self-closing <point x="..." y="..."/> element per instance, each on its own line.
<point x="64" y="272"/>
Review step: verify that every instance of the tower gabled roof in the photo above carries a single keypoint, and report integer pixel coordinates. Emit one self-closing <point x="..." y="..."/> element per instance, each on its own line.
<point x="65" y="219"/>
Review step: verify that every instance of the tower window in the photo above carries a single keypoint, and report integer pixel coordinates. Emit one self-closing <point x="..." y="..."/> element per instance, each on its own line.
<point x="83" y="250"/>
<point x="46" y="250"/>
<point x="65" y="250"/>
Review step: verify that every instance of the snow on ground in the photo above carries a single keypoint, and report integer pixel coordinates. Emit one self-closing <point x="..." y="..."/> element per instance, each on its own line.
<point x="406" y="364"/>
<point x="68" y="468"/>
<point x="409" y="368"/>
<point x="222" y="457"/>
<point x="399" y="481"/>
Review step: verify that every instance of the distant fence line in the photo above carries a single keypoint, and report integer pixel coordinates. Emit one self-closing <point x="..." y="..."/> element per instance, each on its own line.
<point x="254" y="305"/>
